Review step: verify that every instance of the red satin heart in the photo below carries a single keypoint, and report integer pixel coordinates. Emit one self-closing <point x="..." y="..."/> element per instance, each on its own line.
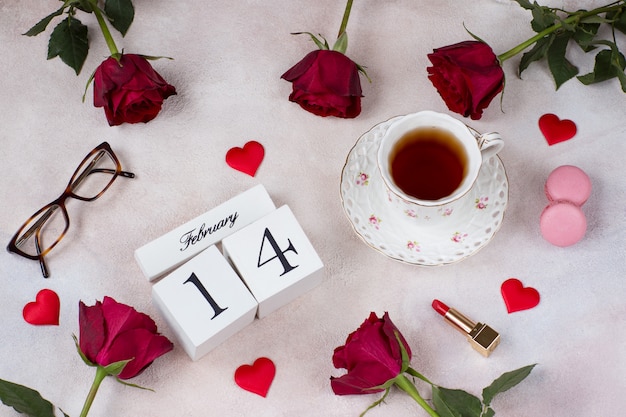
<point x="556" y="130"/>
<point x="257" y="377"/>
<point x="517" y="297"/>
<point x="44" y="310"/>
<point x="246" y="159"/>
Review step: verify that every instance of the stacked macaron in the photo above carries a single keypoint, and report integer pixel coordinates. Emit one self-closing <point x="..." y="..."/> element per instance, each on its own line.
<point x="563" y="223"/>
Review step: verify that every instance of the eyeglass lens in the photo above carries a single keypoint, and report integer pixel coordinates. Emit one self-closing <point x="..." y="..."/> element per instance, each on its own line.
<point x="48" y="226"/>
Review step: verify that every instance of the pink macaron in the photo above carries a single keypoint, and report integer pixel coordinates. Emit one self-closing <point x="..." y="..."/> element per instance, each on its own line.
<point x="568" y="183"/>
<point x="563" y="223"/>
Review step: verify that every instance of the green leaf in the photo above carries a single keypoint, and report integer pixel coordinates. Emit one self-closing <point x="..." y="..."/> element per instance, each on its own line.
<point x="543" y="18"/>
<point x="120" y="13"/>
<point x="362" y="69"/>
<point x="43" y="23"/>
<point x="472" y="35"/>
<point x="388" y="384"/>
<point x="505" y="382"/>
<point x="84" y="5"/>
<point x="403" y="353"/>
<point x="416" y="374"/>
<point x="488" y="412"/>
<point x="320" y="44"/>
<point x="80" y="352"/>
<point x="455" y="403"/>
<point x="584" y="35"/>
<point x="595" y="19"/>
<point x="69" y="42"/>
<point x="526" y="4"/>
<point x="622" y="80"/>
<point x="561" y="69"/>
<point x="116" y="368"/>
<point x="128" y="384"/>
<point x="155" y="58"/>
<point x="25" y="400"/>
<point x="609" y="63"/>
<point x="375" y="403"/>
<point x="341" y="44"/>
<point x="567" y="26"/>
<point x="619" y="20"/>
<point x="537" y="53"/>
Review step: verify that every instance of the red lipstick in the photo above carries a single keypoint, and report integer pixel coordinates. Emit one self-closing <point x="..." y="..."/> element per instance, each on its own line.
<point x="482" y="337"/>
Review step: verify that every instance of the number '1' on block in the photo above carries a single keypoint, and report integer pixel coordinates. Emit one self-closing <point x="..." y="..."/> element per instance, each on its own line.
<point x="204" y="302"/>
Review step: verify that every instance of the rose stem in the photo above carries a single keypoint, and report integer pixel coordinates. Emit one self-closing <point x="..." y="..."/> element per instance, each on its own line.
<point x="346" y="16"/>
<point x="576" y="16"/>
<point x="100" y="375"/>
<point x="106" y="33"/>
<point x="405" y="385"/>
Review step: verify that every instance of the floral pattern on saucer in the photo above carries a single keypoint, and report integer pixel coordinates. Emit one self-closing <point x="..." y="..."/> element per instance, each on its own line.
<point x="398" y="235"/>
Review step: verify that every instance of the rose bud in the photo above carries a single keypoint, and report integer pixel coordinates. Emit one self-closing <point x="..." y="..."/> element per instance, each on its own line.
<point x="130" y="90"/>
<point x="467" y="75"/>
<point x="111" y="332"/>
<point x="326" y="83"/>
<point x="372" y="355"/>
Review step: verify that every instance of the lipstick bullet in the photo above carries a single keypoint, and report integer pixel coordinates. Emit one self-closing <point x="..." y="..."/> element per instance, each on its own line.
<point x="482" y="337"/>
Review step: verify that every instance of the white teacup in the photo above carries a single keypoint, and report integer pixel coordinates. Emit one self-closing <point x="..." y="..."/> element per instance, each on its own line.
<point x="429" y="163"/>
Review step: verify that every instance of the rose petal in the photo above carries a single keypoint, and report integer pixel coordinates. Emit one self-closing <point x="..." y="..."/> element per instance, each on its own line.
<point x="140" y="345"/>
<point x="92" y="330"/>
<point x="121" y="317"/>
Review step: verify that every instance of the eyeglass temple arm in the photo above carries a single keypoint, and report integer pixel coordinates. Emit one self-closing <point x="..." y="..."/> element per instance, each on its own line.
<point x="90" y="170"/>
<point x="113" y="171"/>
<point x="42" y="262"/>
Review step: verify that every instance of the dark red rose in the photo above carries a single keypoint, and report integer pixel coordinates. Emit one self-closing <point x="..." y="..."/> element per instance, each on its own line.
<point x="130" y="90"/>
<point x="467" y="75"/>
<point x="326" y="83"/>
<point x="372" y="356"/>
<point x="112" y="332"/>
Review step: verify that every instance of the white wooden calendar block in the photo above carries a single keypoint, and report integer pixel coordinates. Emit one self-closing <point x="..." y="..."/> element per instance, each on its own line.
<point x="181" y="244"/>
<point x="275" y="259"/>
<point x="205" y="302"/>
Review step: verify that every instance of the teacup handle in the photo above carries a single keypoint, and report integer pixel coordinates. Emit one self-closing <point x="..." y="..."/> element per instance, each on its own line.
<point x="489" y="144"/>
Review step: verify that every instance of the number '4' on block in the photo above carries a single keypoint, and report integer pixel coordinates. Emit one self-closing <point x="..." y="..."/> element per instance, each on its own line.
<point x="275" y="259"/>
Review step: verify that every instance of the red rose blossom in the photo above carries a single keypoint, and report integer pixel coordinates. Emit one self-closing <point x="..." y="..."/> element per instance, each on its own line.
<point x="372" y="356"/>
<point x="326" y="83"/>
<point x="130" y="90"/>
<point x="112" y="332"/>
<point x="467" y="75"/>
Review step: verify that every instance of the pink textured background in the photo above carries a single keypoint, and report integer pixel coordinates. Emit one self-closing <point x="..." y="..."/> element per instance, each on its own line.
<point x="228" y="58"/>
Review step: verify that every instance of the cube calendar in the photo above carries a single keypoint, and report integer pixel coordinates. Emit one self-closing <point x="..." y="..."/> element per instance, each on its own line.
<point x="205" y="302"/>
<point x="208" y="296"/>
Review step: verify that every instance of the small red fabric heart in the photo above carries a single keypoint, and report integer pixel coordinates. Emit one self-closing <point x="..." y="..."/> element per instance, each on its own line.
<point x="44" y="310"/>
<point x="257" y="377"/>
<point x="556" y="130"/>
<point x="517" y="297"/>
<point x="246" y="159"/>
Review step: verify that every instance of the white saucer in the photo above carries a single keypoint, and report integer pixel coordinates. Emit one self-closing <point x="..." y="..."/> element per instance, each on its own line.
<point x="364" y="199"/>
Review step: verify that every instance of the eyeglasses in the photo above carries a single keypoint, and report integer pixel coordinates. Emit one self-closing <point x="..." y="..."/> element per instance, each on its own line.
<point x="44" y="229"/>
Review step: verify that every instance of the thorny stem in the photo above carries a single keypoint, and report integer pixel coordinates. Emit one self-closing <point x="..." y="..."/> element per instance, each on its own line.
<point x="106" y="33"/>
<point x="101" y="373"/>
<point x="346" y="16"/>
<point x="405" y="385"/>
<point x="571" y="19"/>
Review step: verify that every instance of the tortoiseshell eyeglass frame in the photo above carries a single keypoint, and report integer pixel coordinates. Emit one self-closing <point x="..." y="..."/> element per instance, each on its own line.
<point x="85" y="168"/>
